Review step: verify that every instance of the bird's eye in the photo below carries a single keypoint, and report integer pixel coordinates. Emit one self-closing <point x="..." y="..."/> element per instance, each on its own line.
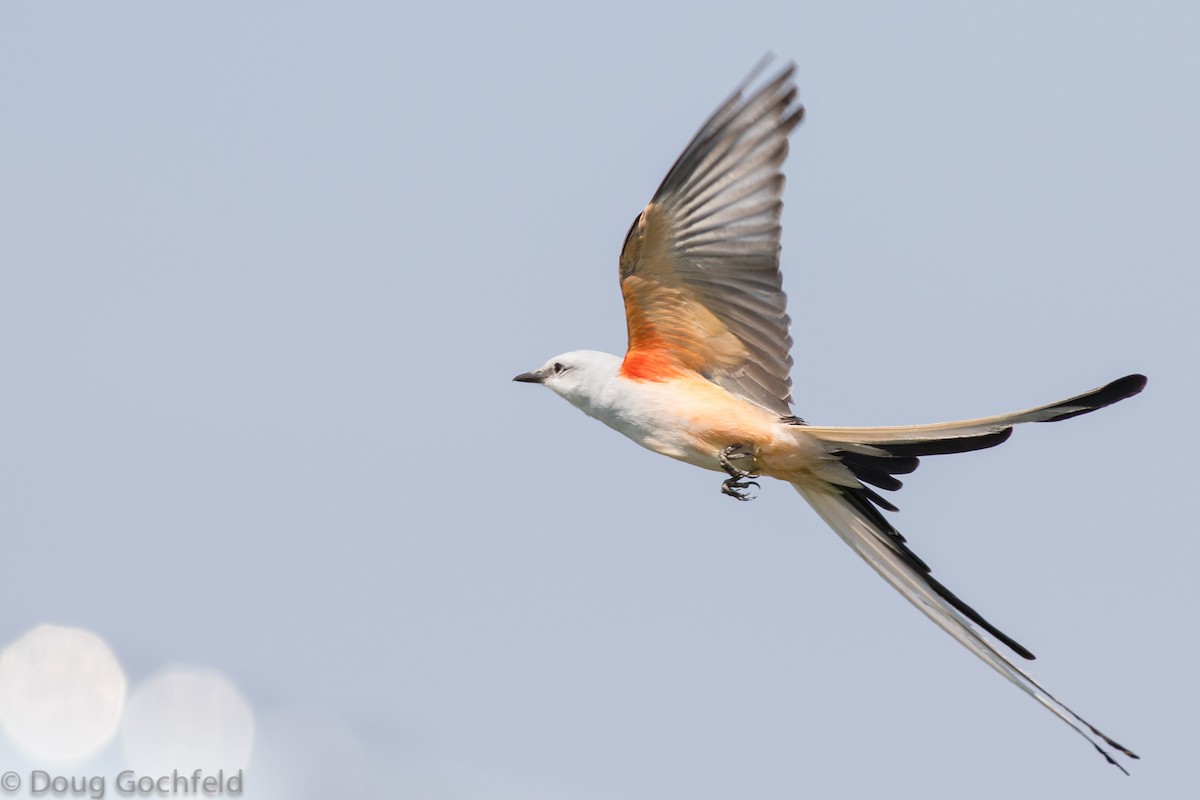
<point x="559" y="368"/>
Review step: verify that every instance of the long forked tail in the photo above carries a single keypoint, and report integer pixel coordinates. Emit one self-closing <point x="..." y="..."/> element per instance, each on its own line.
<point x="875" y="456"/>
<point x="976" y="434"/>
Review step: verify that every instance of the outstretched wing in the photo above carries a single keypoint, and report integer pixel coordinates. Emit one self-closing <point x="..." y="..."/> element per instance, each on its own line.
<point x="700" y="266"/>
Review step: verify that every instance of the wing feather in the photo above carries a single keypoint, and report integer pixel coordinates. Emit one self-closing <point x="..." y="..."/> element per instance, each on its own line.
<point x="700" y="266"/>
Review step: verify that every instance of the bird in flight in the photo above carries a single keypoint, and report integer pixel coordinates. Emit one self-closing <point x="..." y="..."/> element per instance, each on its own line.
<point x="706" y="378"/>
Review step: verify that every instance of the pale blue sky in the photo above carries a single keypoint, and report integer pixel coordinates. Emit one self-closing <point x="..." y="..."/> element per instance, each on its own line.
<point x="268" y="269"/>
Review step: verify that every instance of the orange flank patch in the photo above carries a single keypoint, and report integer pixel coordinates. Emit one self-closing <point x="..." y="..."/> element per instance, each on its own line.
<point x="672" y="334"/>
<point x="650" y="364"/>
<point x="651" y="356"/>
<point x="659" y="345"/>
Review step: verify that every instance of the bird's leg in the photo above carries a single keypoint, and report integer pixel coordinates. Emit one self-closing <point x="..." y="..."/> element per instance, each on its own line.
<point x="736" y="452"/>
<point x="737" y="484"/>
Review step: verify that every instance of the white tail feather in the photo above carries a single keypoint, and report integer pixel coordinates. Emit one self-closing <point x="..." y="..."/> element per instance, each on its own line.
<point x="872" y="545"/>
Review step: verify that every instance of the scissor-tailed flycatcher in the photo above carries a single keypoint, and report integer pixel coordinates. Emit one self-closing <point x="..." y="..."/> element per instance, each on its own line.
<point x="706" y="377"/>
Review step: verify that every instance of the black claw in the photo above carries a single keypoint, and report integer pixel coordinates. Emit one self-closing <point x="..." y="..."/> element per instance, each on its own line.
<point x="737" y="484"/>
<point x="737" y="489"/>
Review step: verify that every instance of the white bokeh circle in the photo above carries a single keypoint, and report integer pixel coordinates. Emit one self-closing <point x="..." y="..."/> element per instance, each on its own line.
<point x="61" y="694"/>
<point x="186" y="718"/>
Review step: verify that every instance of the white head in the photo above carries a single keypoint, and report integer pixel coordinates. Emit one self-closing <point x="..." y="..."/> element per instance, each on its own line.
<point x="579" y="377"/>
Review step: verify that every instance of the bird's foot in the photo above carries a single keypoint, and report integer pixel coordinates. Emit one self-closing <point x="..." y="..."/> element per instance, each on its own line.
<point x="737" y="484"/>
<point x="737" y="489"/>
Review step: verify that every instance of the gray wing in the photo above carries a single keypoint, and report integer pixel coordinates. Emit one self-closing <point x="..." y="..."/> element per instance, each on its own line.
<point x="700" y="266"/>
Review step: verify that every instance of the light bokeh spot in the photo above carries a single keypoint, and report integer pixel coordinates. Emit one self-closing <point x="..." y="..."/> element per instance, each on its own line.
<point x="186" y="718"/>
<point x="61" y="694"/>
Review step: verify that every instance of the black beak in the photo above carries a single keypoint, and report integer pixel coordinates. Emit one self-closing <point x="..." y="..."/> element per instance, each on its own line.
<point x="528" y="377"/>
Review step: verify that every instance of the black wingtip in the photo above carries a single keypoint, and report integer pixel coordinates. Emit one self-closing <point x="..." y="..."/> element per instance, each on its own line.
<point x="1112" y="742"/>
<point x="978" y="619"/>
<point x="1106" y="395"/>
<point x="1108" y="757"/>
<point x="1117" y="390"/>
<point x="1136" y="381"/>
<point x="952" y="444"/>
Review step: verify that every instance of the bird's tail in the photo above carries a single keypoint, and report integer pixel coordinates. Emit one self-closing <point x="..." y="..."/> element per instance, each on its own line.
<point x="907" y="441"/>
<point x="875" y="456"/>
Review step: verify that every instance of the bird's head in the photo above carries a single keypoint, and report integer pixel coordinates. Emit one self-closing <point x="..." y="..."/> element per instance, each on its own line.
<point x="578" y="377"/>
